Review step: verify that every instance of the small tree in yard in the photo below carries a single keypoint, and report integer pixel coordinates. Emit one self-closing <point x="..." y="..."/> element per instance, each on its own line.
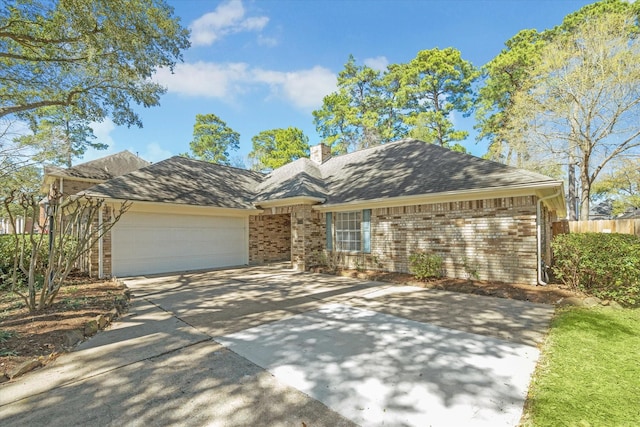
<point x="72" y="234"/>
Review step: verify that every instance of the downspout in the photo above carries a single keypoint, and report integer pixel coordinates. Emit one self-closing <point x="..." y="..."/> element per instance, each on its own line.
<point x="100" y="246"/>
<point x="539" y="233"/>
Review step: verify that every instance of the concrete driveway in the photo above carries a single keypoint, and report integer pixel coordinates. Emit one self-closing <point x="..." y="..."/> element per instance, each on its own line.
<point x="271" y="346"/>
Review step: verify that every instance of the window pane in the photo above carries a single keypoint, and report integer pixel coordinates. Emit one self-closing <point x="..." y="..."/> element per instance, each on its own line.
<point x="348" y="231"/>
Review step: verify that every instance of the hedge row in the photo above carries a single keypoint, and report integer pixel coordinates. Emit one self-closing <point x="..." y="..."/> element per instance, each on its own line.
<point x="603" y="265"/>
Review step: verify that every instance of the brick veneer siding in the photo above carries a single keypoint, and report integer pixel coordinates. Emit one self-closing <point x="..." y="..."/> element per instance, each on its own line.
<point x="493" y="239"/>
<point x="71" y="186"/>
<point x="306" y="237"/>
<point x="269" y="238"/>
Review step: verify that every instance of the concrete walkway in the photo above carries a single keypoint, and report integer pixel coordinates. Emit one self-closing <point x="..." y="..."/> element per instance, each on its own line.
<point x="271" y="346"/>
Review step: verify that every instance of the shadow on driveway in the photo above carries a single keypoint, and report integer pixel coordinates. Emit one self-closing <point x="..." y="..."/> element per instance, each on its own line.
<point x="397" y="349"/>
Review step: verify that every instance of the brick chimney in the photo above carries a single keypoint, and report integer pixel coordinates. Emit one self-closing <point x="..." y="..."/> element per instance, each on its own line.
<point x="320" y="153"/>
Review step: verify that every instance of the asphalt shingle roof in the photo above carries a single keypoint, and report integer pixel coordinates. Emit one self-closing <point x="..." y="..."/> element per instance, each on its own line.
<point x="410" y="167"/>
<point x="403" y="168"/>
<point x="301" y="177"/>
<point x="103" y="169"/>
<point x="184" y="181"/>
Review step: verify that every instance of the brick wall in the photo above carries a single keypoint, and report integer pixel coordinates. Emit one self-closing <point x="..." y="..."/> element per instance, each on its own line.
<point x="305" y="238"/>
<point x="72" y="186"/>
<point x="269" y="238"/>
<point x="493" y="239"/>
<point x="307" y="235"/>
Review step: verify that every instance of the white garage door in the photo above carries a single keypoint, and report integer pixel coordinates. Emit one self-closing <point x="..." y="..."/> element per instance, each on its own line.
<point x="144" y="243"/>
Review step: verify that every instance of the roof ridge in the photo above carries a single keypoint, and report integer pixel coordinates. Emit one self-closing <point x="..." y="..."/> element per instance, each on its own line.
<point x="261" y="174"/>
<point x="362" y="150"/>
<point x="102" y="159"/>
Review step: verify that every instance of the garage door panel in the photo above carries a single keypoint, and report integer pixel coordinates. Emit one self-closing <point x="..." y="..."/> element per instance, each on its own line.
<point x="156" y="243"/>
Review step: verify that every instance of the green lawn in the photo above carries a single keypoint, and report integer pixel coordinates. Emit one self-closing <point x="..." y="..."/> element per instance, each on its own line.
<point x="589" y="371"/>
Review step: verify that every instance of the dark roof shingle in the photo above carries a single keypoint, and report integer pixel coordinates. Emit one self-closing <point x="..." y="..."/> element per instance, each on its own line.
<point x="403" y="168"/>
<point x="301" y="177"/>
<point x="103" y="169"/>
<point x="184" y="181"/>
<point x="410" y="167"/>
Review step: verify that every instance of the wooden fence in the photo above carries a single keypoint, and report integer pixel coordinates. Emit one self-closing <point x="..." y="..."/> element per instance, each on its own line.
<point x="623" y="226"/>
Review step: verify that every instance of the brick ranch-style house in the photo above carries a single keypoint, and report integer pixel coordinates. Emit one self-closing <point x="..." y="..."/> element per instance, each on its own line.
<point x="368" y="209"/>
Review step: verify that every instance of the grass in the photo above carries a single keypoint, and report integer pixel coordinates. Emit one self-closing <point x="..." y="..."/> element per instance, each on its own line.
<point x="589" y="371"/>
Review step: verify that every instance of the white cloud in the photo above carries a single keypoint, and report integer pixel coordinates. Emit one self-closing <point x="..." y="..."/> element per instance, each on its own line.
<point x="102" y="130"/>
<point x="227" y="18"/>
<point x="267" y="41"/>
<point x="155" y="153"/>
<point x="205" y="79"/>
<point x="305" y="89"/>
<point x="256" y="23"/>
<point x="378" y="63"/>
<point x="11" y="128"/>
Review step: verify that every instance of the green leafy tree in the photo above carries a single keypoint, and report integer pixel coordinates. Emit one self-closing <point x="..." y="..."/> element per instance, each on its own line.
<point x="59" y="138"/>
<point x="416" y="99"/>
<point x="434" y="85"/>
<point x="548" y="99"/>
<point x="276" y="147"/>
<point x="622" y="183"/>
<point x="504" y="76"/>
<point x="213" y="140"/>
<point x="96" y="57"/>
<point x="362" y="113"/>
<point x="582" y="101"/>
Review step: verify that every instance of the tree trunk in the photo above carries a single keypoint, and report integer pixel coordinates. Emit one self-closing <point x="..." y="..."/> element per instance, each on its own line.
<point x="571" y="192"/>
<point x="585" y="192"/>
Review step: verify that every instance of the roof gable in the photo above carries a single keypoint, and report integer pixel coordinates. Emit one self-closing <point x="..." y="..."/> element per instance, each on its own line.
<point x="102" y="169"/>
<point x="300" y="178"/>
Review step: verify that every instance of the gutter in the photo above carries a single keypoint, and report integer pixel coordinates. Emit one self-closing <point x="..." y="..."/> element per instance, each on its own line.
<point x="539" y="234"/>
<point x="441" y="197"/>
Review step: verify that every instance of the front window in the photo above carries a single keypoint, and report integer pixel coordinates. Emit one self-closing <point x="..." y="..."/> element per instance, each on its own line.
<point x="348" y="231"/>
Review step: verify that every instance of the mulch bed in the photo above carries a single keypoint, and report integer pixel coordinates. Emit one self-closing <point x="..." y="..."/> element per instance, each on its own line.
<point x="550" y="294"/>
<point x="44" y="335"/>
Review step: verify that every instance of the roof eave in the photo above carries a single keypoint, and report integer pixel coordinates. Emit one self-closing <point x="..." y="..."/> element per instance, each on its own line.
<point x="169" y="207"/>
<point x="288" y="201"/>
<point x="557" y="203"/>
<point x="447" y="196"/>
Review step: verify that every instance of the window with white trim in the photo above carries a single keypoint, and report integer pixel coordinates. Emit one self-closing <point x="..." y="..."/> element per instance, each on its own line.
<point x="352" y="231"/>
<point x="348" y="231"/>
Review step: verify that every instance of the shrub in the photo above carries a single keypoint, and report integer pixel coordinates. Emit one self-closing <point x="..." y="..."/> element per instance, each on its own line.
<point x="603" y="265"/>
<point x="424" y="265"/>
<point x="7" y="252"/>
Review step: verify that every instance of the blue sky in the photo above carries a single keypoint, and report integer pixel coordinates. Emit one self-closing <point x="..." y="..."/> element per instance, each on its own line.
<point x="265" y="64"/>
